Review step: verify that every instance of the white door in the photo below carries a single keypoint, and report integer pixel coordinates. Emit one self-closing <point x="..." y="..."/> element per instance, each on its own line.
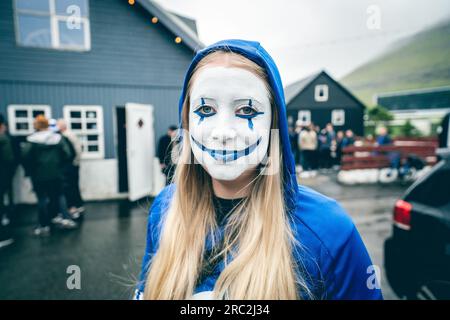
<point x="140" y="149"/>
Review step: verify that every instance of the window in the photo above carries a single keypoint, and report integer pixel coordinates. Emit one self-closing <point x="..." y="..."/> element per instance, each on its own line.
<point x="433" y="190"/>
<point x="338" y="117"/>
<point x="321" y="93"/>
<point x="56" y="24"/>
<point x="304" y="117"/>
<point x="21" y="117"/>
<point x="87" y="123"/>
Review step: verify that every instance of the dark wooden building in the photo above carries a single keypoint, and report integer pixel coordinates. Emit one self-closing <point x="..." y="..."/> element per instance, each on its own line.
<point x="321" y="99"/>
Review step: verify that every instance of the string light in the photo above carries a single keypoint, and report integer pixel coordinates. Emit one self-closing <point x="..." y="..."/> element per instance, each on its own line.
<point x="154" y="20"/>
<point x="131" y="2"/>
<point x="178" y="40"/>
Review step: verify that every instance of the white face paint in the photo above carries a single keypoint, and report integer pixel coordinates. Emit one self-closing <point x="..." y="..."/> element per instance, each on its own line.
<point x="229" y="121"/>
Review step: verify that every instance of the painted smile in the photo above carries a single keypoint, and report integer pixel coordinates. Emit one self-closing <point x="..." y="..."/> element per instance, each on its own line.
<point x="227" y="155"/>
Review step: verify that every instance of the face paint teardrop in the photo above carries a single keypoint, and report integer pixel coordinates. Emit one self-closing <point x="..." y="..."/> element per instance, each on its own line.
<point x="250" y="123"/>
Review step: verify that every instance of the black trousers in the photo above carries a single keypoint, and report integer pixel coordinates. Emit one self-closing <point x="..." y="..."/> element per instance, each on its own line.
<point x="325" y="160"/>
<point x="308" y="159"/>
<point x="49" y="194"/>
<point x="72" y="186"/>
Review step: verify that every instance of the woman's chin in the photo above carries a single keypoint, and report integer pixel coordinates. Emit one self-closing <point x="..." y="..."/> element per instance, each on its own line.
<point x="225" y="171"/>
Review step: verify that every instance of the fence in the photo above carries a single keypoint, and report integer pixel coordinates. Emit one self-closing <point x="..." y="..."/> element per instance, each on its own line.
<point x="370" y="156"/>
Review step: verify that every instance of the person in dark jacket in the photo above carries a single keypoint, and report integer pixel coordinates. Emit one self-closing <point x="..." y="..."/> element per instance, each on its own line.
<point x="349" y="139"/>
<point x="165" y="147"/>
<point x="6" y="165"/>
<point x="44" y="157"/>
<point x="326" y="137"/>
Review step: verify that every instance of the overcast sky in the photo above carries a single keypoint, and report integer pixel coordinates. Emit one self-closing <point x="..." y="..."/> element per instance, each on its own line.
<point x="305" y="36"/>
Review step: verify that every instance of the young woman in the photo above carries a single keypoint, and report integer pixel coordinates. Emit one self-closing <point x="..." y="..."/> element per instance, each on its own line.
<point x="234" y="224"/>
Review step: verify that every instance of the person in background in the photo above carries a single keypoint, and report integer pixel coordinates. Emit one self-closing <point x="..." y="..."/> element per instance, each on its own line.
<point x="383" y="137"/>
<point x="326" y="138"/>
<point x="315" y="154"/>
<point x="165" y="146"/>
<point x="339" y="141"/>
<point x="349" y="139"/>
<point x="6" y="165"/>
<point x="44" y="157"/>
<point x="72" y="171"/>
<point x="308" y="145"/>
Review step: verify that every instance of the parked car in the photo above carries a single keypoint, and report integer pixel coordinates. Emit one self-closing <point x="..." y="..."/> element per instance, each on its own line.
<point x="444" y="132"/>
<point x="417" y="255"/>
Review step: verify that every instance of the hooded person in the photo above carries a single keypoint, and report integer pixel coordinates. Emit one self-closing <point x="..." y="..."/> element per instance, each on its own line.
<point x="234" y="224"/>
<point x="44" y="156"/>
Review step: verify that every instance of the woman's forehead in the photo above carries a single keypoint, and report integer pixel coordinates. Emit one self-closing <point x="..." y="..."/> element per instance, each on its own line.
<point x="218" y="82"/>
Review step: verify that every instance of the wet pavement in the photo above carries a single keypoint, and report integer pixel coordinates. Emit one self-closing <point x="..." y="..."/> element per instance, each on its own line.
<point x="108" y="245"/>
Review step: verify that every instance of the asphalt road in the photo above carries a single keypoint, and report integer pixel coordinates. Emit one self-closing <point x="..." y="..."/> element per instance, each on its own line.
<point x="108" y="246"/>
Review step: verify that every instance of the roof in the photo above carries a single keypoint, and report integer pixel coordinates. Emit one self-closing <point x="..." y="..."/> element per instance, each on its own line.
<point x="294" y="89"/>
<point x="175" y="23"/>
<point x="188" y="21"/>
<point x="430" y="98"/>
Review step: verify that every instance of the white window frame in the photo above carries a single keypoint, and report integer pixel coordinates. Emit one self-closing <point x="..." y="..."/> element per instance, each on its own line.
<point x="54" y="30"/>
<point x="337" y="114"/>
<point x="318" y="89"/>
<point x="301" y="114"/>
<point x="100" y="154"/>
<point x="13" y="120"/>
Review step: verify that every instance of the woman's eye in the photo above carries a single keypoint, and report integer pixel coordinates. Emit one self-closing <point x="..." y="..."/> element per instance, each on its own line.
<point x="246" y="111"/>
<point x="205" y="110"/>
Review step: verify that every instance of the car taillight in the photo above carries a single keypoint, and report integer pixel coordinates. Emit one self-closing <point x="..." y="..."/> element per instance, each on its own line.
<point x="402" y="214"/>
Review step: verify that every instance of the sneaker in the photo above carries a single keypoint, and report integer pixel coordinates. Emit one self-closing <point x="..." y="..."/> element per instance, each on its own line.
<point x="6" y="242"/>
<point x="57" y="219"/>
<point x="81" y="209"/>
<point x="75" y="214"/>
<point x="42" y="231"/>
<point x="68" y="224"/>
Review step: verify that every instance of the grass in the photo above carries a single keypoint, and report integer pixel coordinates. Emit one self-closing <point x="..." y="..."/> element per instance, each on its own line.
<point x="421" y="61"/>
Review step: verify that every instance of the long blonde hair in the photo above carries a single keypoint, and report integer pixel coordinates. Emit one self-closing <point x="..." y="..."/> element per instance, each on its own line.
<point x="257" y="234"/>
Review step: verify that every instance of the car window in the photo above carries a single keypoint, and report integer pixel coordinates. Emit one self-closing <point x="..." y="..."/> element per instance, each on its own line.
<point x="435" y="190"/>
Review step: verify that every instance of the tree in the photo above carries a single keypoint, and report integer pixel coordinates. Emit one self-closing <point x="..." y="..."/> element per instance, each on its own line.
<point x="379" y="114"/>
<point x="408" y="130"/>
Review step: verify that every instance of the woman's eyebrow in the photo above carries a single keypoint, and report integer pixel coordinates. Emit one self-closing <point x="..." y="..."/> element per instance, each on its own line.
<point x="203" y="100"/>
<point x="249" y="101"/>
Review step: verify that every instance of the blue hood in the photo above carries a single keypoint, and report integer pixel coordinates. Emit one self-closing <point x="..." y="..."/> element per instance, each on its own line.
<point x="256" y="53"/>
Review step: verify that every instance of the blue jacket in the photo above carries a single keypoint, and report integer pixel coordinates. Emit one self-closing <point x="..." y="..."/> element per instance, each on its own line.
<point x="335" y="261"/>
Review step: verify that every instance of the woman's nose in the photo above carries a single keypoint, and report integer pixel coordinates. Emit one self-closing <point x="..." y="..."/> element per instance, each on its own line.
<point x="223" y="134"/>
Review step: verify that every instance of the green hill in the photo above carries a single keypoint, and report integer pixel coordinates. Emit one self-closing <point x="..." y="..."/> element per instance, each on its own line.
<point x="420" y="61"/>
